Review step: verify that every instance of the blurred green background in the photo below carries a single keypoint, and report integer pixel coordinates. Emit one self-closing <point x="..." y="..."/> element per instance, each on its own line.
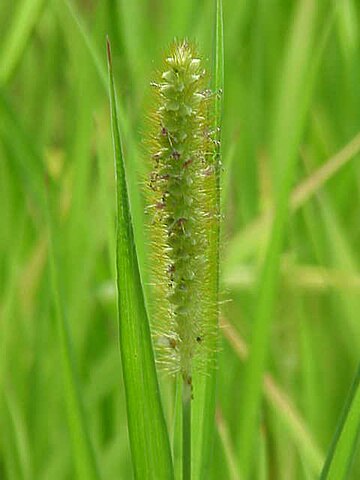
<point x="292" y="91"/>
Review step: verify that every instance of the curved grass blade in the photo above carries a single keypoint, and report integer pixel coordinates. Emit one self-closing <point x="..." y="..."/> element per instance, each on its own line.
<point x="203" y="412"/>
<point x="346" y="437"/>
<point x="149" y="440"/>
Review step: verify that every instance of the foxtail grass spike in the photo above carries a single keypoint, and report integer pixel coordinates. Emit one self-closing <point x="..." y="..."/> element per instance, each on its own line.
<point x="182" y="204"/>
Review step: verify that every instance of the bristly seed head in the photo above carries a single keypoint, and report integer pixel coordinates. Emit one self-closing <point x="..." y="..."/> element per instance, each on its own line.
<point x="181" y="195"/>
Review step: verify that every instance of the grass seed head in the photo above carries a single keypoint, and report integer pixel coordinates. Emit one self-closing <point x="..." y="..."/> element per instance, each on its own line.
<point x="181" y="195"/>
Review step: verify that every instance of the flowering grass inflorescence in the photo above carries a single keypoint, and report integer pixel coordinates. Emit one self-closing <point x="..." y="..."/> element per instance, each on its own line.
<point x="182" y="201"/>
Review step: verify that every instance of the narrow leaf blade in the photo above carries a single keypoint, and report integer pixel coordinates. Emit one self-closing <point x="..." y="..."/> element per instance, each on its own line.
<point x="344" y="443"/>
<point x="203" y="417"/>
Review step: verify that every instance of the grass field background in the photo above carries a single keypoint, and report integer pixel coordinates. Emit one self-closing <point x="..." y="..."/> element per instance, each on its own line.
<point x="291" y="130"/>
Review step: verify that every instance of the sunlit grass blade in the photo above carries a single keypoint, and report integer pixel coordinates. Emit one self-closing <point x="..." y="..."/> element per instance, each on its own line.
<point x="203" y="411"/>
<point x="15" y="43"/>
<point x="345" y="440"/>
<point x="147" y="429"/>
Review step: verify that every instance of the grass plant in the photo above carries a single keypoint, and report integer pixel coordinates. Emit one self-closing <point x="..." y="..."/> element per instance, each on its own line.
<point x="283" y="400"/>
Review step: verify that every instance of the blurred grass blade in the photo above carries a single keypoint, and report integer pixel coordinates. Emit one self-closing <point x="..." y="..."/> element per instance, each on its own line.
<point x="227" y="445"/>
<point x="83" y="452"/>
<point x="25" y="19"/>
<point x="291" y="110"/>
<point x="203" y="411"/>
<point x="69" y="15"/>
<point x="147" y="429"/>
<point x="295" y="425"/>
<point x="247" y="240"/>
<point x="27" y="162"/>
<point x="76" y="30"/>
<point x="345" y="441"/>
<point x="344" y="259"/>
<point x="17" y="437"/>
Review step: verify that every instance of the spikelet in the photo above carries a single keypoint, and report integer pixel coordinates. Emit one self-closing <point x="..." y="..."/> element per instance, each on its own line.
<point x="182" y="207"/>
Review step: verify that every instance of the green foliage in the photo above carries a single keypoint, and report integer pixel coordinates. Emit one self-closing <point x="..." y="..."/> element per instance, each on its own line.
<point x="290" y="153"/>
<point x="345" y="441"/>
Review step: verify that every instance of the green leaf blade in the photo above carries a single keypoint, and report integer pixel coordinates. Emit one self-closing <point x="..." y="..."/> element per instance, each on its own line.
<point x="344" y="443"/>
<point x="204" y="403"/>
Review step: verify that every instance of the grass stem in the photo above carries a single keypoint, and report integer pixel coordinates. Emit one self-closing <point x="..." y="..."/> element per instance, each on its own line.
<point x="186" y="408"/>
